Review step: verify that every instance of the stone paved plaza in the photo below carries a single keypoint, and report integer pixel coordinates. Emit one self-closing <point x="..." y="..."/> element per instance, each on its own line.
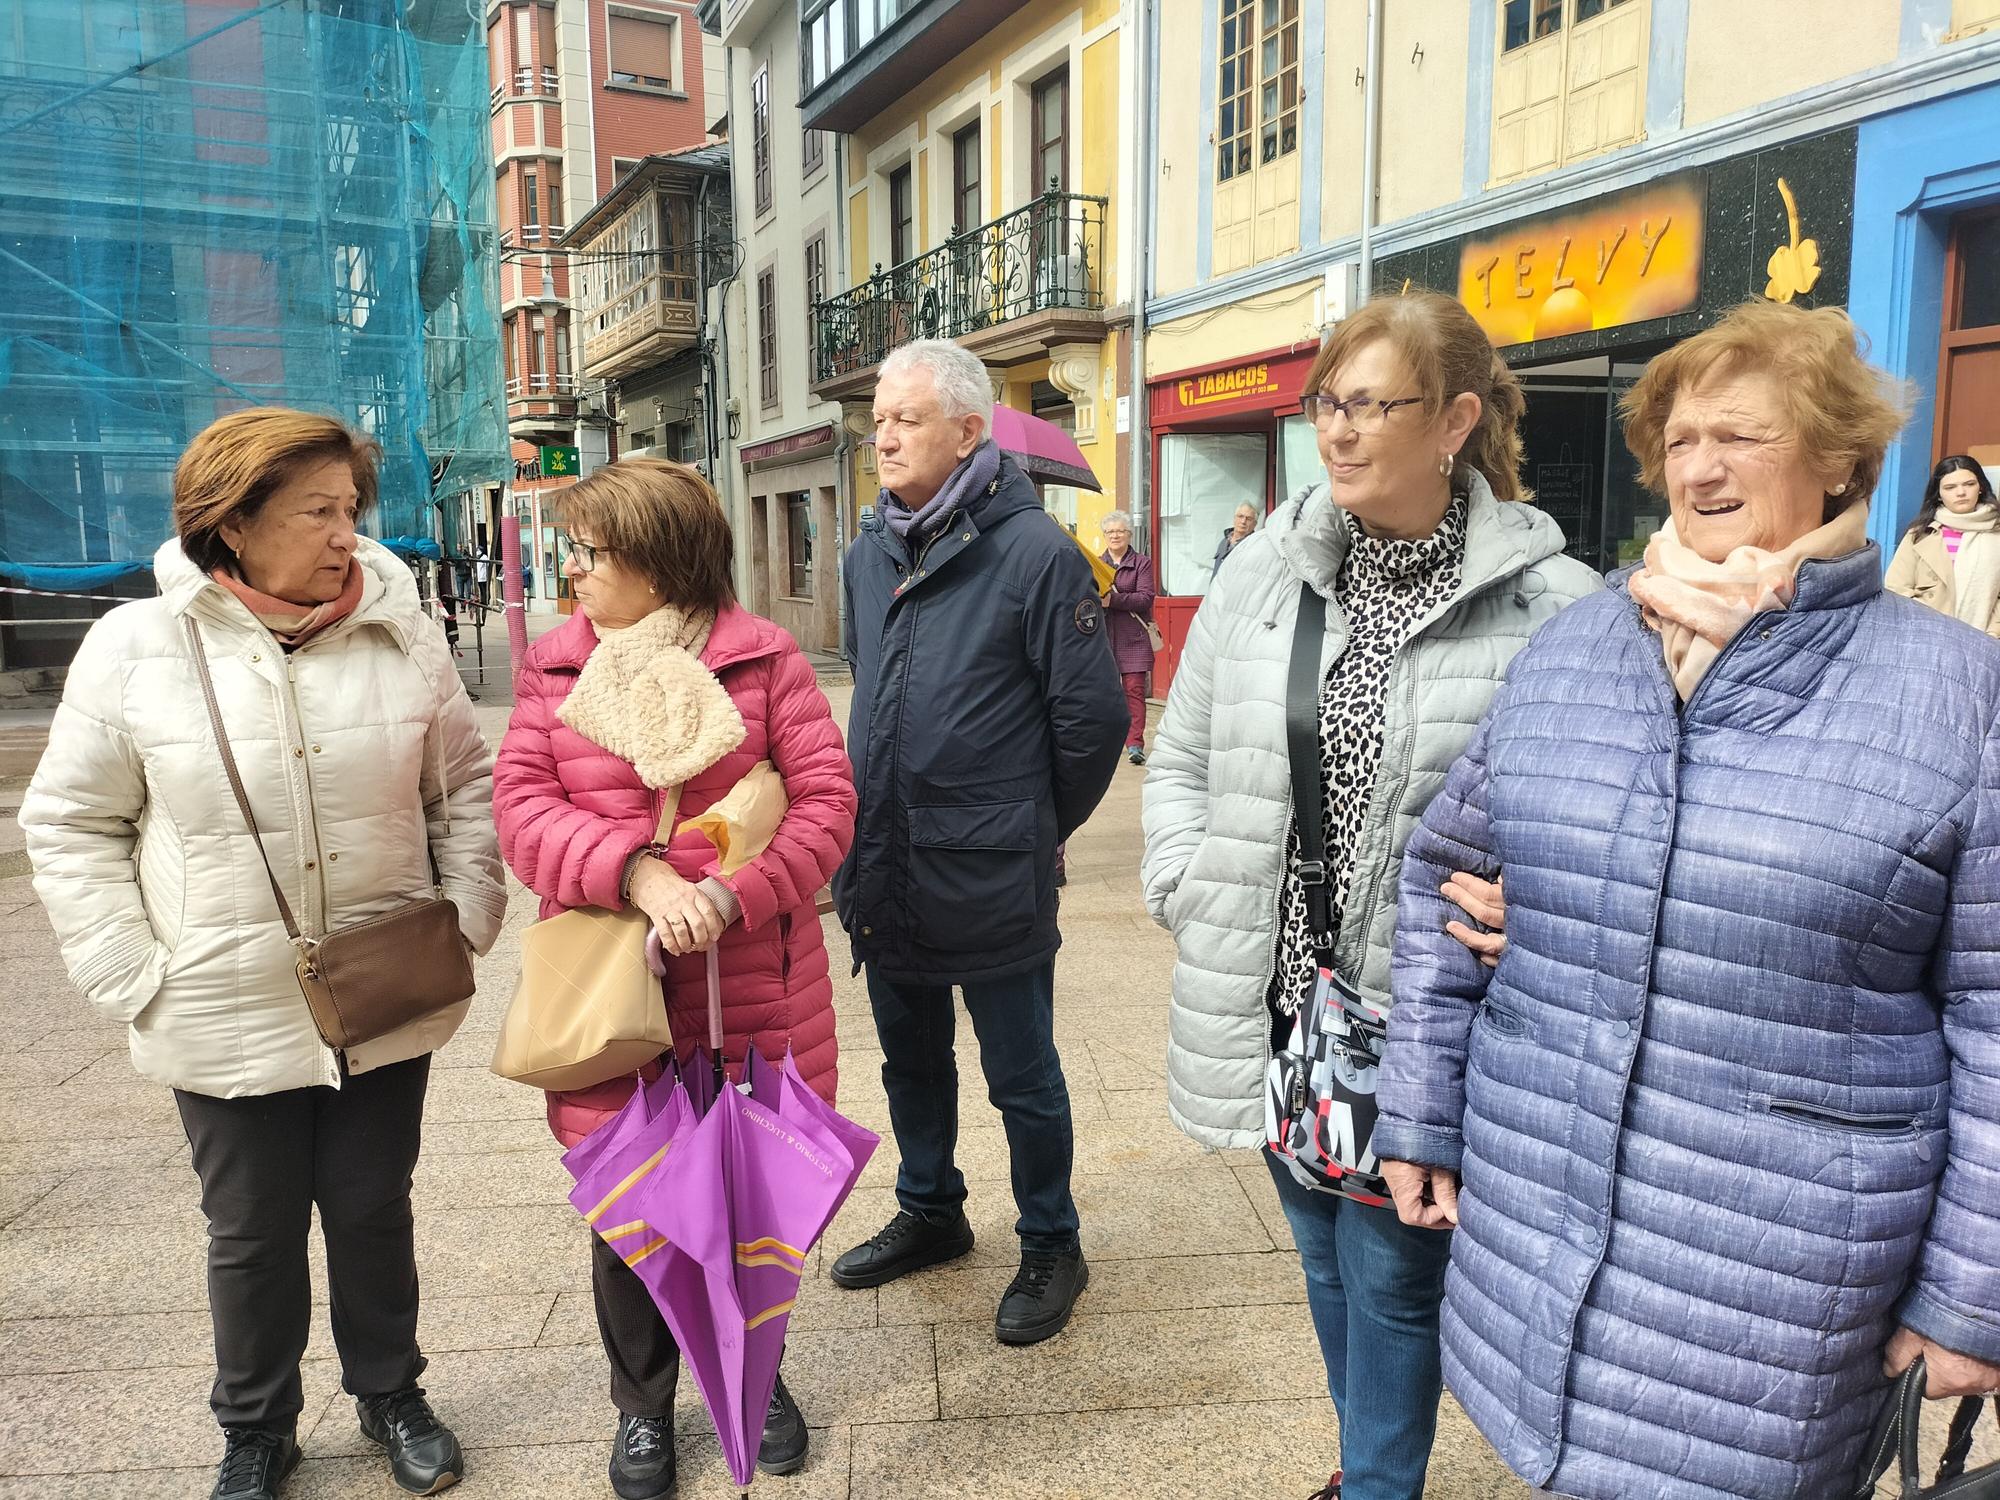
<point x="1189" y="1371"/>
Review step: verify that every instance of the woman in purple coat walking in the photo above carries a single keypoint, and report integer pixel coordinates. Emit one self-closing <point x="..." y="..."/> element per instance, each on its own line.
<point x="1129" y="617"/>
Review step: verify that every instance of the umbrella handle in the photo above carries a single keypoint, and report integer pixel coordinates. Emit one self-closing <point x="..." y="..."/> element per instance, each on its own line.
<point x="715" y="1004"/>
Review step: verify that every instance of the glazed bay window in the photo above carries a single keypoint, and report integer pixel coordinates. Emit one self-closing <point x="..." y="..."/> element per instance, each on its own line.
<point x="1257" y="133"/>
<point x="1569" y="83"/>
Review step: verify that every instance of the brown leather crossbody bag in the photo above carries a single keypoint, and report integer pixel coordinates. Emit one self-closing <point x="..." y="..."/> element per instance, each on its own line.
<point x="367" y="979"/>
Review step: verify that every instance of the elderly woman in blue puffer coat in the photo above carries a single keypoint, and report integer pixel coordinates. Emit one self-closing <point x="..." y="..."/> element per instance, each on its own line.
<point x="1721" y="1132"/>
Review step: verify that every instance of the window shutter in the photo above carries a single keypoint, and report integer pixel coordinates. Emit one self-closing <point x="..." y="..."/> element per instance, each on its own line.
<point x="643" y="48"/>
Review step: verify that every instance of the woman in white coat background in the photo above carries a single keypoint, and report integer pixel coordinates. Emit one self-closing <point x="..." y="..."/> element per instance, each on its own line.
<point x="362" y="762"/>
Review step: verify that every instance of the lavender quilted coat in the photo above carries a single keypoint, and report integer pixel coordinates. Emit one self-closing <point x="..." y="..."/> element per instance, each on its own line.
<point x="1729" y="1109"/>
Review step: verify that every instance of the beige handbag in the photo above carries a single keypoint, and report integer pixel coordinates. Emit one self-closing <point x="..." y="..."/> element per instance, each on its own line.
<point x="587" y="1009"/>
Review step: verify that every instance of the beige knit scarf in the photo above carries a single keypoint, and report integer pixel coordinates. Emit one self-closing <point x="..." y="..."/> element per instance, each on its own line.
<point x="645" y="696"/>
<point x="1698" y="607"/>
<point x="1976" y="568"/>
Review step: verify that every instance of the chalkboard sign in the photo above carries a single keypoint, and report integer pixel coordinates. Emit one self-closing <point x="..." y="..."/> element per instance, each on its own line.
<point x="1563" y="491"/>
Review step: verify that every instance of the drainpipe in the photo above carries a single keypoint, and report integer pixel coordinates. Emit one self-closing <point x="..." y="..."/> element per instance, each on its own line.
<point x="1139" y="503"/>
<point x="1371" y="145"/>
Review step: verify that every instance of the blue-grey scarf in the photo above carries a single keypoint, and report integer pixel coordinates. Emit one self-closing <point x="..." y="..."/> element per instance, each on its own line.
<point x="967" y="481"/>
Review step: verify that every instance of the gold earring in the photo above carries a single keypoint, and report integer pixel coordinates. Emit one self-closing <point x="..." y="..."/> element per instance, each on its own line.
<point x="1446" y="464"/>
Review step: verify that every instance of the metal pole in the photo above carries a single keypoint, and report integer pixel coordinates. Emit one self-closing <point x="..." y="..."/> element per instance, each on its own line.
<point x="510" y="587"/>
<point x="1371" y="145"/>
<point x="1139" y="502"/>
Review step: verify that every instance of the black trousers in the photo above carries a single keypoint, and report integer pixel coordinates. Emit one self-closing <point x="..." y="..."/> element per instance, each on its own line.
<point x="645" y="1360"/>
<point x="264" y="1162"/>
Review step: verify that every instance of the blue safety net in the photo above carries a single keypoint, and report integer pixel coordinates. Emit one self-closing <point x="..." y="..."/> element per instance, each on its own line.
<point x="208" y="204"/>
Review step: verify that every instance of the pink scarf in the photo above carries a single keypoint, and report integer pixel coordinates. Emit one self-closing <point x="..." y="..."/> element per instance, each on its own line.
<point x="294" y="624"/>
<point x="1698" y="607"/>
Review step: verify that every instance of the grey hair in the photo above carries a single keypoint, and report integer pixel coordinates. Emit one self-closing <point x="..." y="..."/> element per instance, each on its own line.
<point x="960" y="380"/>
<point x="1115" y="518"/>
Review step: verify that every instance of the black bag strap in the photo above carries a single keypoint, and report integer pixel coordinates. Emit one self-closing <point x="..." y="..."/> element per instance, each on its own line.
<point x="1302" y="690"/>
<point x="1894" y="1442"/>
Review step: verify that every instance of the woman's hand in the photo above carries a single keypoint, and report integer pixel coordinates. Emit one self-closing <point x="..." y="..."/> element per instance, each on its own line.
<point x="1426" y="1197"/>
<point x="1483" y="901"/>
<point x="685" y="919"/>
<point x="1946" y="1372"/>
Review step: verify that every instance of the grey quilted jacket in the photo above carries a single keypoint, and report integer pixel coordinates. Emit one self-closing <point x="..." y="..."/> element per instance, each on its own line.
<point x="1730" y="1106"/>
<point x="1217" y="795"/>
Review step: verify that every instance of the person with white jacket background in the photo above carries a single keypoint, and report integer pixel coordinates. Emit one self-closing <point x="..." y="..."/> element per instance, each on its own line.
<point x="363" y="763"/>
<point x="1432" y="579"/>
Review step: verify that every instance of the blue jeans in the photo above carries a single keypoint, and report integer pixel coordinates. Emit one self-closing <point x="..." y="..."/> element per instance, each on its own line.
<point x="1014" y="1019"/>
<point x="1374" y="1285"/>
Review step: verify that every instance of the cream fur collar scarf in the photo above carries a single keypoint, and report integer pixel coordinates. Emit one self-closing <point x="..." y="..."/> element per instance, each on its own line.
<point x="645" y="696"/>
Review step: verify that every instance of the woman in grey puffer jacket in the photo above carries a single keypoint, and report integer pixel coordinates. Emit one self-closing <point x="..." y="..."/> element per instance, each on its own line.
<point x="1433" y="581"/>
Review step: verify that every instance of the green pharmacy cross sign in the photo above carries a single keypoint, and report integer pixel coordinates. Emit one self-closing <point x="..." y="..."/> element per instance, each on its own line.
<point x="558" y="463"/>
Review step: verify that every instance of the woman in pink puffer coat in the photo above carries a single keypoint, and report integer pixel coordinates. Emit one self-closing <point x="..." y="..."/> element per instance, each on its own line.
<point x="661" y="680"/>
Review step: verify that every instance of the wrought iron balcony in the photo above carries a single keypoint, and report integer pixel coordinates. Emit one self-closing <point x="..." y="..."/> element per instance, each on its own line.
<point x="1045" y="257"/>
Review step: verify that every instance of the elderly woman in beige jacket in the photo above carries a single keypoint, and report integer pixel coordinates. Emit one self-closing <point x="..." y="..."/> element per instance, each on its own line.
<point x="363" y="763"/>
<point x="1950" y="557"/>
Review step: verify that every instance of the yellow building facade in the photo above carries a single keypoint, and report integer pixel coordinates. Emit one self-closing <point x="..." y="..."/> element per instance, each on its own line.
<point x="982" y="204"/>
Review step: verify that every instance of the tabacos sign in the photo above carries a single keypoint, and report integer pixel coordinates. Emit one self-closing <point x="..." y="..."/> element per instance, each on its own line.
<point x="1626" y="258"/>
<point x="1233" y="384"/>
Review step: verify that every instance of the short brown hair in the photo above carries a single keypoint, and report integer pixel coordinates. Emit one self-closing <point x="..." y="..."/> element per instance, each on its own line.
<point x="237" y="462"/>
<point x="1446" y="354"/>
<point x="664" y="521"/>
<point x="1844" y="411"/>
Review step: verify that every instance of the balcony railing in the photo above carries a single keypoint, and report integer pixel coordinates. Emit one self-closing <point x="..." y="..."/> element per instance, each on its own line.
<point x="546" y="387"/>
<point x="1047" y="255"/>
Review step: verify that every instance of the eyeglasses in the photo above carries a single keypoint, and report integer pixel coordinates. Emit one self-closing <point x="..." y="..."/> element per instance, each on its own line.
<point x="1363" y="413"/>
<point x="584" y="552"/>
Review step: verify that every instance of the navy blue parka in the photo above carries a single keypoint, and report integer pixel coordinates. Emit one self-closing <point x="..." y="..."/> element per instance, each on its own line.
<point x="988" y="720"/>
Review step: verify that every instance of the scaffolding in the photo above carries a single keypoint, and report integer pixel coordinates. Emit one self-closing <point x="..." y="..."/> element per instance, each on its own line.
<point x="208" y="204"/>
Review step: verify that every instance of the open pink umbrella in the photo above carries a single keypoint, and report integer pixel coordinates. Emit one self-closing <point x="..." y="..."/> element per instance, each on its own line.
<point x="1042" y="449"/>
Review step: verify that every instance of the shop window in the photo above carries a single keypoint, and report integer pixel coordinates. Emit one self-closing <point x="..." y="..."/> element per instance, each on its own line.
<point x="1570" y="82"/>
<point x="760" y="137"/>
<point x="1299" y="465"/>
<point x="1202" y="479"/>
<point x="1257" y="133"/>
<point x="799" y="544"/>
<point x="643" y="44"/>
<point x="1053" y="407"/>
<point x="1968" y="403"/>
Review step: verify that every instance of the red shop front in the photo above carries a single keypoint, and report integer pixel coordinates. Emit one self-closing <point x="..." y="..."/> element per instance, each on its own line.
<point x="1222" y="434"/>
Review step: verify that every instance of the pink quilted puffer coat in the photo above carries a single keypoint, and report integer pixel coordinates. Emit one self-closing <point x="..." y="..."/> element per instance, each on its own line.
<point x="571" y="814"/>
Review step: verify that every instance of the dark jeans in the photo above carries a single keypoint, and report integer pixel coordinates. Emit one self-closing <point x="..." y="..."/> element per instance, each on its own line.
<point x="264" y="1162"/>
<point x="1014" y="1019"/>
<point x="645" y="1360"/>
<point x="1374" y="1285"/>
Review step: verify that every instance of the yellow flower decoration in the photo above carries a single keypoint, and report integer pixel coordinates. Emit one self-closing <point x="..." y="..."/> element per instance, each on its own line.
<point x="1794" y="268"/>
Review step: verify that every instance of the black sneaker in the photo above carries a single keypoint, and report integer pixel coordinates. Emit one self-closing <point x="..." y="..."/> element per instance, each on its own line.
<point x="424" y="1456"/>
<point x="642" y="1458"/>
<point x="907" y="1243"/>
<point x="1135" y="755"/>
<point x="254" y="1463"/>
<point x="783" y="1450"/>
<point x="1043" y="1293"/>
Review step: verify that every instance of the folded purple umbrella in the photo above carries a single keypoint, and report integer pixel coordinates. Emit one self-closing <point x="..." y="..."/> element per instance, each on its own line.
<point x="714" y="1196"/>
<point x="1042" y="449"/>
